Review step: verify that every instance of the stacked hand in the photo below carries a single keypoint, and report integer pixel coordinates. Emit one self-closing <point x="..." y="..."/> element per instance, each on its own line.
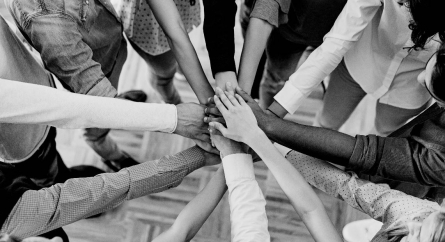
<point x="231" y="109"/>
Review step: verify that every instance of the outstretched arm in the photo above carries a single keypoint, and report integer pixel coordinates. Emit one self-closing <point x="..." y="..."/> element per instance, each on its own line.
<point x="39" y="211"/>
<point x="193" y="216"/>
<point x="168" y="17"/>
<point x="242" y="126"/>
<point x="318" y="142"/>
<point x="266" y="15"/>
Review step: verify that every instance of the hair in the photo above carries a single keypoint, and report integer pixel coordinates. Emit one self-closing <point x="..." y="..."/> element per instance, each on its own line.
<point x="397" y="233"/>
<point x="428" y="18"/>
<point x="438" y="76"/>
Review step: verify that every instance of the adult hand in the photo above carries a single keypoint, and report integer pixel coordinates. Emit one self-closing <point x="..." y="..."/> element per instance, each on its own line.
<point x="225" y="145"/>
<point x="241" y="122"/>
<point x="210" y="157"/>
<point x="191" y="122"/>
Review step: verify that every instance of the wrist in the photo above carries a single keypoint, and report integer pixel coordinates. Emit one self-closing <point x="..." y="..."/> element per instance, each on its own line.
<point x="257" y="136"/>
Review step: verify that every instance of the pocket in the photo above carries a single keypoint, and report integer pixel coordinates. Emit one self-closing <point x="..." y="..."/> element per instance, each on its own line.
<point x="88" y="13"/>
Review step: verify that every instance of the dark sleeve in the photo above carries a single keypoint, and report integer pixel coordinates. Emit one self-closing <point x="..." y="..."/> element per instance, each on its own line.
<point x="219" y="20"/>
<point x="273" y="11"/>
<point x="401" y="159"/>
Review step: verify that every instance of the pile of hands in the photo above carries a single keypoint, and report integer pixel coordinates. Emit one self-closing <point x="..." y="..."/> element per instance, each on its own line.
<point x="229" y="123"/>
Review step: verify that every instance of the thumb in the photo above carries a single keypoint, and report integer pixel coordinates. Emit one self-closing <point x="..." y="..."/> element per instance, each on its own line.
<point x="244" y="95"/>
<point x="219" y="127"/>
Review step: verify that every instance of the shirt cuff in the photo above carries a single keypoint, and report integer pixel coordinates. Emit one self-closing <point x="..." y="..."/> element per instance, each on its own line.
<point x="238" y="167"/>
<point x="174" y="113"/>
<point x="282" y="149"/>
<point x="103" y="89"/>
<point x="290" y="97"/>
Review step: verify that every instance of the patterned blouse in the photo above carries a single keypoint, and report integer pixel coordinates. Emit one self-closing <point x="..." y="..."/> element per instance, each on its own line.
<point x="141" y="27"/>
<point x="389" y="206"/>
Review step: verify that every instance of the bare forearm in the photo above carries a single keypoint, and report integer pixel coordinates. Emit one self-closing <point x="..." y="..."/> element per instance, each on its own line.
<point x="257" y="35"/>
<point x="193" y="216"/>
<point x="318" y="142"/>
<point x="289" y="179"/>
<point x="168" y="17"/>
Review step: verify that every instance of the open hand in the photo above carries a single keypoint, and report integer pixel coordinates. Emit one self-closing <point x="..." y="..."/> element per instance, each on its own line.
<point x="240" y="120"/>
<point x="191" y="122"/>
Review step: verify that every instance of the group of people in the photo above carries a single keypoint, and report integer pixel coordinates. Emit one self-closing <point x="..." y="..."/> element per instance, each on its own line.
<point x="390" y="49"/>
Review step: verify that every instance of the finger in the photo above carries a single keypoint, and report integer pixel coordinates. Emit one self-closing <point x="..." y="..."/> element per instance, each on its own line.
<point x="213" y="111"/>
<point x="240" y="100"/>
<point x="232" y="99"/>
<point x="214" y="131"/>
<point x="230" y="88"/>
<point x="219" y="127"/>
<point x="210" y="101"/>
<point x="220" y="106"/>
<point x="244" y="95"/>
<point x="213" y="119"/>
<point x="222" y="96"/>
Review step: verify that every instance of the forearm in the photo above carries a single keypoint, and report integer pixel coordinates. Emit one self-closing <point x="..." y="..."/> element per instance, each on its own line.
<point x="219" y="21"/>
<point x="318" y="142"/>
<point x="289" y="179"/>
<point x="302" y="197"/>
<point x="193" y="216"/>
<point x="44" y="105"/>
<point x="43" y="210"/>
<point x="169" y="19"/>
<point x="255" y="42"/>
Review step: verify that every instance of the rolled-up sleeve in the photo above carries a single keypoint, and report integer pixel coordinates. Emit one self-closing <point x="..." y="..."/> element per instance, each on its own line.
<point x="67" y="56"/>
<point x="39" y="211"/>
<point x="273" y="11"/>
<point x="401" y="159"/>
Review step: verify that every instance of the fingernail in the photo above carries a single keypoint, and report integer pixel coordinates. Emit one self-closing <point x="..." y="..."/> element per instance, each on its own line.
<point x="205" y="110"/>
<point x="205" y="119"/>
<point x="209" y="99"/>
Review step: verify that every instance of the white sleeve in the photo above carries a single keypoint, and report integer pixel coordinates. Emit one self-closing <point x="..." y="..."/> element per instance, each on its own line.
<point x="348" y="29"/>
<point x="247" y="204"/>
<point x="35" y="104"/>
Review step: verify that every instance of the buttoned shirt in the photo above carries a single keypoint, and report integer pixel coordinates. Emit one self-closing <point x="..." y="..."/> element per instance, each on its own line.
<point x="373" y="37"/>
<point x="39" y="211"/>
<point x="81" y="42"/>
<point x="393" y="208"/>
<point x="247" y="204"/>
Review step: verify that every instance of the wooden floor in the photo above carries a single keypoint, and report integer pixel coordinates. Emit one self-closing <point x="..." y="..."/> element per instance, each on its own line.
<point x="145" y="218"/>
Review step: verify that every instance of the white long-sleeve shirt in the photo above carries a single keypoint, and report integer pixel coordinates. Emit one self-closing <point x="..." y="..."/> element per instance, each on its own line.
<point x="247" y="204"/>
<point x="372" y="36"/>
<point x="34" y="104"/>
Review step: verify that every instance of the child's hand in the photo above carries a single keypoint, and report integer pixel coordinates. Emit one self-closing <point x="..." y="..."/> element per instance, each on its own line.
<point x="240" y="120"/>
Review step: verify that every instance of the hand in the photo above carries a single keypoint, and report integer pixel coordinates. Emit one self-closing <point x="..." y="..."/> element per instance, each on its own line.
<point x="191" y="122"/>
<point x="241" y="122"/>
<point x="225" y="145"/>
<point x="206" y="147"/>
<point x="210" y="158"/>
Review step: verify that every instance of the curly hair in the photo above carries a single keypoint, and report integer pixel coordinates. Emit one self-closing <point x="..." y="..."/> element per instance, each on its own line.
<point x="428" y="18"/>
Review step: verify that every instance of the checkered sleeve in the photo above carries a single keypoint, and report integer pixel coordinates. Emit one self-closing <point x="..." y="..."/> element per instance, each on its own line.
<point x="39" y="211"/>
